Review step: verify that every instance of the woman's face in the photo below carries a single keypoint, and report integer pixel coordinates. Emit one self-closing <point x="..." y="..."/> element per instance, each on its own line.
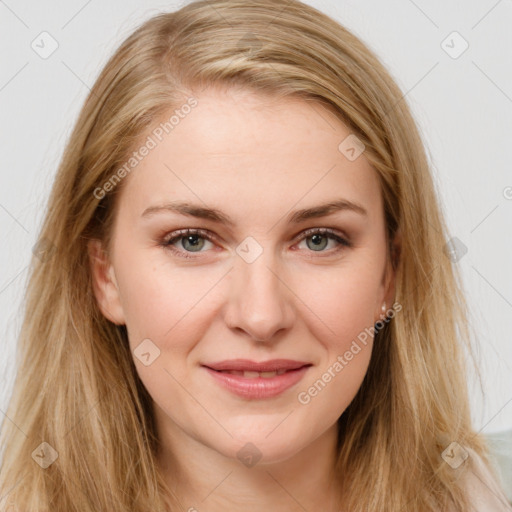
<point x="255" y="175"/>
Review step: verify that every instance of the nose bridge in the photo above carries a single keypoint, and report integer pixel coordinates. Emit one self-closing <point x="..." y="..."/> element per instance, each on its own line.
<point x="259" y="300"/>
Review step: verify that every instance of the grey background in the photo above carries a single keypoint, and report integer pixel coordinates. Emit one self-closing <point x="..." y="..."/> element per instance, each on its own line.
<point x="463" y="106"/>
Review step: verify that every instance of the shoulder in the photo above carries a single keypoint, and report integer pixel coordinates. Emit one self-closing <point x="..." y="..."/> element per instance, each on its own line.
<point x="484" y="490"/>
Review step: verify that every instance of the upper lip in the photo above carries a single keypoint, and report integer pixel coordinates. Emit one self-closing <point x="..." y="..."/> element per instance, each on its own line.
<point x="264" y="366"/>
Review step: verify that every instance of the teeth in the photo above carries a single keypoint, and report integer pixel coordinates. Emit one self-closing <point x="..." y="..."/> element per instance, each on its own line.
<point x="254" y="375"/>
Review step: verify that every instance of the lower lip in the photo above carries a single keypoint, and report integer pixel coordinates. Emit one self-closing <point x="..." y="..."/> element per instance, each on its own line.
<point x="258" y="387"/>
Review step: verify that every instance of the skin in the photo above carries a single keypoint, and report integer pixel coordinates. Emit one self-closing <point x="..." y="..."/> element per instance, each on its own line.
<point x="256" y="159"/>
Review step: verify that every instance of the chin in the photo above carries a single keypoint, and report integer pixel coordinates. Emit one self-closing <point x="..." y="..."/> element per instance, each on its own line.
<point x="261" y="448"/>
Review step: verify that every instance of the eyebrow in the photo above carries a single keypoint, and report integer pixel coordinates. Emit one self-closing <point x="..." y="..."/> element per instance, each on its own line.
<point x="193" y="210"/>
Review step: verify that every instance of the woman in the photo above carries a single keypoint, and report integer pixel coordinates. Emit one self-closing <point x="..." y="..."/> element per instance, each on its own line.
<point x="189" y="343"/>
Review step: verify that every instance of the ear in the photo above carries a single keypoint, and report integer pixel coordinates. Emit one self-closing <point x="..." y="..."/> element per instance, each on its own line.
<point x="389" y="278"/>
<point x="104" y="283"/>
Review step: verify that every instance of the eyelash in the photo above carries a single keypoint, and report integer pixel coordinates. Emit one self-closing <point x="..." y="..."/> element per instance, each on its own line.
<point x="177" y="235"/>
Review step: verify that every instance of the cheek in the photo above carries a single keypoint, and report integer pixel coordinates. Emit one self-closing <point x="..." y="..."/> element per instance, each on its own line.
<point x="165" y="318"/>
<point x="154" y="296"/>
<point x="342" y="303"/>
<point x="169" y="306"/>
<point x="334" y="384"/>
<point x="342" y="317"/>
<point x="332" y="390"/>
<point x="150" y="305"/>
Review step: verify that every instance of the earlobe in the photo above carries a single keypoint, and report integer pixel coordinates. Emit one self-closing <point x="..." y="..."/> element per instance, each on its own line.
<point x="105" y="286"/>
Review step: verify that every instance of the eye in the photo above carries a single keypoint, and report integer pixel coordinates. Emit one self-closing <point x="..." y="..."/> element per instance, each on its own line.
<point x="320" y="239"/>
<point x="193" y="240"/>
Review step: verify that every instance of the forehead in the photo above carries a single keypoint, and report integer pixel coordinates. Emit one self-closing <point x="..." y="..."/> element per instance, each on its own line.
<point x="250" y="151"/>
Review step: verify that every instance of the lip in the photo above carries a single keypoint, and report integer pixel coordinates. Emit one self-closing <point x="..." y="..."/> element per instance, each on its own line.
<point x="252" y="366"/>
<point x="258" y="387"/>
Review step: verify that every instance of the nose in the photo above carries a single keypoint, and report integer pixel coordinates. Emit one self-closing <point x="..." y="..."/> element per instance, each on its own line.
<point x="260" y="301"/>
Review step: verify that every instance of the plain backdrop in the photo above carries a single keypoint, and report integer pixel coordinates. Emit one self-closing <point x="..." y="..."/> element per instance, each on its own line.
<point x="452" y="60"/>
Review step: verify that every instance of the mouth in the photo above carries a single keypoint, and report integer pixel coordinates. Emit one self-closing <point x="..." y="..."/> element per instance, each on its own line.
<point x="248" y="374"/>
<point x="246" y="365"/>
<point x="250" y="383"/>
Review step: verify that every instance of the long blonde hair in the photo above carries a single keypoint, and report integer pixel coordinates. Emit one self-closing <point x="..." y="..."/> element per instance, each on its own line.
<point x="76" y="387"/>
